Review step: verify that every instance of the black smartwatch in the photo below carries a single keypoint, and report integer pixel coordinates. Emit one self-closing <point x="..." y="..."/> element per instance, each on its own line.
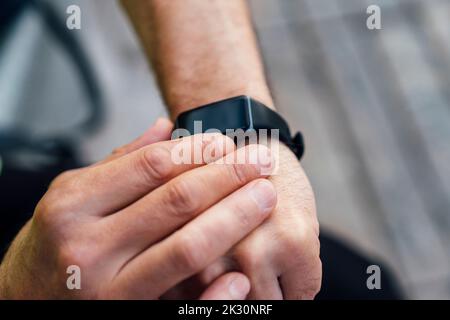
<point x="240" y="112"/>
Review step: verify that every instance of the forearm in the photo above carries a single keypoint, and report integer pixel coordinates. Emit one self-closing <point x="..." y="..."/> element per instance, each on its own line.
<point x="202" y="51"/>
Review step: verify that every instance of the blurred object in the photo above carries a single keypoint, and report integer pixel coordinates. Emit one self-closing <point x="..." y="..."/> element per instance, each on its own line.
<point x="345" y="274"/>
<point x="30" y="158"/>
<point x="13" y="136"/>
<point x="14" y="15"/>
<point x="22" y="187"/>
<point x="9" y="12"/>
<point x="374" y="106"/>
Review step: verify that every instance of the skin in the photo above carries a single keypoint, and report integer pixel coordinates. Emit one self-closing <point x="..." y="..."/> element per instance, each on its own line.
<point x="205" y="51"/>
<point x="149" y="229"/>
<point x="136" y="226"/>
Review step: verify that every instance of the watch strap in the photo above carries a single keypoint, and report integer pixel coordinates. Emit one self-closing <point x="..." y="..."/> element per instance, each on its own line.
<point x="241" y="112"/>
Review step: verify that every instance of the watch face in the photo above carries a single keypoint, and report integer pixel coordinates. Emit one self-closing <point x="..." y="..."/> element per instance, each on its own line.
<point x="229" y="114"/>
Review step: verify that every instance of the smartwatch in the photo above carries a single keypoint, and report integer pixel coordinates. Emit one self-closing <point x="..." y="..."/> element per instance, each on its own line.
<point x="241" y="112"/>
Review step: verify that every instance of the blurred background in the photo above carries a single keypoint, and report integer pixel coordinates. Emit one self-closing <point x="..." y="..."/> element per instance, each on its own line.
<point x="374" y="107"/>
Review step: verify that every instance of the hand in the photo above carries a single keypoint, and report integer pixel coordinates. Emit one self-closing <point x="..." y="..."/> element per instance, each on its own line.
<point x="137" y="225"/>
<point x="281" y="257"/>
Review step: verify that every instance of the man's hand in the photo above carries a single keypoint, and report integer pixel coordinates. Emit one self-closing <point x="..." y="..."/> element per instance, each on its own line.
<point x="281" y="257"/>
<point x="206" y="51"/>
<point x="137" y="225"/>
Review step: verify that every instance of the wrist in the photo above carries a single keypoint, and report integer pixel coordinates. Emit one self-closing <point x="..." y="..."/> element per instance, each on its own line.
<point x="286" y="154"/>
<point x="219" y="61"/>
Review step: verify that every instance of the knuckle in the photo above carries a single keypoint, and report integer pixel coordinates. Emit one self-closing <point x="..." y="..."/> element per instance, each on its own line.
<point x="57" y="205"/>
<point x="312" y="242"/>
<point x="65" y="200"/>
<point x="189" y="253"/>
<point x="77" y="254"/>
<point x="302" y="244"/>
<point x="248" y="258"/>
<point x="209" y="140"/>
<point x="69" y="255"/>
<point x="154" y="164"/>
<point x="181" y="198"/>
<point x="293" y="242"/>
<point x="240" y="173"/>
<point x="216" y="145"/>
<point x="227" y="144"/>
<point x="316" y="227"/>
<point x="62" y="178"/>
<point x="42" y="215"/>
<point x="48" y="207"/>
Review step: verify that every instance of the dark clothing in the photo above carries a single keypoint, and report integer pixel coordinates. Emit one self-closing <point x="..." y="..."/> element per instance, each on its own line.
<point x="345" y="277"/>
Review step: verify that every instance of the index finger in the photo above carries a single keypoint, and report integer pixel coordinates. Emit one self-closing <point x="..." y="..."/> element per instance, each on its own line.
<point x="114" y="185"/>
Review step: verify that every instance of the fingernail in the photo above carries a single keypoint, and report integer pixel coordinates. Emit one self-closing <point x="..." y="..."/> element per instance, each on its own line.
<point x="239" y="288"/>
<point x="264" y="194"/>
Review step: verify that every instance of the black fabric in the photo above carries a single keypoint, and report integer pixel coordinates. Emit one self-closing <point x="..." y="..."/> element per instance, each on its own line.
<point x="345" y="273"/>
<point x="344" y="269"/>
<point x="9" y="11"/>
<point x="21" y="191"/>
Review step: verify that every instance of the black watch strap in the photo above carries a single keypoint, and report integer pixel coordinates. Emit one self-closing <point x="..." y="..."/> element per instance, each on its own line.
<point x="240" y="112"/>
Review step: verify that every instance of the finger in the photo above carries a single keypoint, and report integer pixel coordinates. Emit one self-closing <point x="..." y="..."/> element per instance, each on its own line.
<point x="179" y="201"/>
<point x="265" y="285"/>
<point x="255" y="257"/>
<point x="193" y="287"/>
<point x="301" y="271"/>
<point x="112" y="186"/>
<point x="199" y="243"/>
<point x="303" y="282"/>
<point x="230" y="286"/>
<point x="160" y="131"/>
